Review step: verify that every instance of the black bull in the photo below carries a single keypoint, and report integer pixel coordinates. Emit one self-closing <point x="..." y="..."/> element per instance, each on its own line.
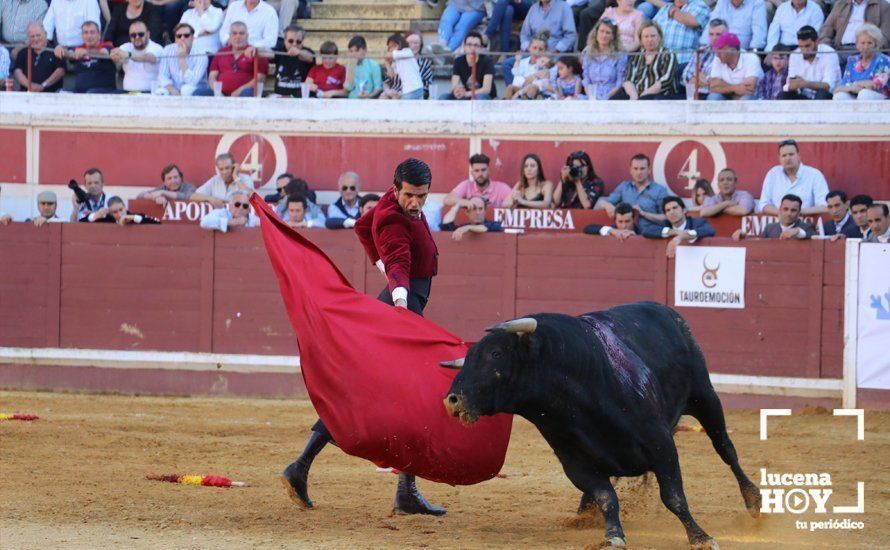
<point x="606" y="390"/>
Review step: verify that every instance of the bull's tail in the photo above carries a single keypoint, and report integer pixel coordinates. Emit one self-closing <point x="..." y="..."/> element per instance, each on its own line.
<point x="705" y="406"/>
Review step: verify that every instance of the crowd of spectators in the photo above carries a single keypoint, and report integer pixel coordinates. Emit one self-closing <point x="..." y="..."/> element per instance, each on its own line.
<point x="565" y="49"/>
<point x="638" y="205"/>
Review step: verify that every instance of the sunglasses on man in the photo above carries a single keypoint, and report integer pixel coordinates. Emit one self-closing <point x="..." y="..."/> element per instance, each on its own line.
<point x="348" y="188"/>
<point x="137" y="35"/>
<point x="243" y="205"/>
<point x="183" y="35"/>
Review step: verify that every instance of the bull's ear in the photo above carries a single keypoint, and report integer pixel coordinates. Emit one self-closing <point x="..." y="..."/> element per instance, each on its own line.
<point x="456" y="364"/>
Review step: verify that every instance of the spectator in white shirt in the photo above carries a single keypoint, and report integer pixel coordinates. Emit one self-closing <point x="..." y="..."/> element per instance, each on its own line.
<point x="180" y="72"/>
<point x="745" y="18"/>
<point x="224" y="185"/>
<point x="400" y="62"/>
<point x="206" y="21"/>
<point x="734" y="75"/>
<point x="813" y="69"/>
<point x="261" y="20"/>
<point x="236" y="214"/>
<point x="791" y="17"/>
<point x="139" y="58"/>
<point x="791" y="176"/>
<point x="64" y="18"/>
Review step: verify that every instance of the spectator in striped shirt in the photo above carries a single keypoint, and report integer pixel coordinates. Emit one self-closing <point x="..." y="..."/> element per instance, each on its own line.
<point x="650" y="75"/>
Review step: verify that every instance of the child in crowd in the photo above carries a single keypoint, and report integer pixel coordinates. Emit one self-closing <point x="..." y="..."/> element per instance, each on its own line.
<point x="568" y="81"/>
<point x="770" y="86"/>
<point x="529" y="70"/>
<point x="402" y="70"/>
<point x="327" y="79"/>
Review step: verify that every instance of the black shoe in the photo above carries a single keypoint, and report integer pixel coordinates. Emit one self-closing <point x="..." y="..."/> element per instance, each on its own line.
<point x="296" y="476"/>
<point x="410" y="501"/>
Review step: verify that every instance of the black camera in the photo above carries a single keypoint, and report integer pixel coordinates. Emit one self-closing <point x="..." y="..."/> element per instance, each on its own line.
<point x="81" y="195"/>
<point x="574" y="172"/>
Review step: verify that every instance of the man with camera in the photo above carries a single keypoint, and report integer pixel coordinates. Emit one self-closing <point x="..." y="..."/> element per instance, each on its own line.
<point x="89" y="205"/>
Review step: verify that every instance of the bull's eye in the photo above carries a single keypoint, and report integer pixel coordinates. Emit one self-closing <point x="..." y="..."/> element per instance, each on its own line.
<point x="495" y="354"/>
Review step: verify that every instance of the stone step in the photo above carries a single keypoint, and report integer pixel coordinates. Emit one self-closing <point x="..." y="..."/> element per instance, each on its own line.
<point x="358" y="26"/>
<point x="376" y="40"/>
<point x="385" y="10"/>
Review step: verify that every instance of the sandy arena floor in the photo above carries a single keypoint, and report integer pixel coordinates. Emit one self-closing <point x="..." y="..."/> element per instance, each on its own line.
<point x="75" y="478"/>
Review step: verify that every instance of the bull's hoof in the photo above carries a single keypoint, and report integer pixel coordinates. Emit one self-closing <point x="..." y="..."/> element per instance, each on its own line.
<point x="706" y="543"/>
<point x="613" y="542"/>
<point x="753" y="500"/>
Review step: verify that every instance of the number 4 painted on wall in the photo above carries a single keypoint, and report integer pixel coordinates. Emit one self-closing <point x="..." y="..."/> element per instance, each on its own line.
<point x="689" y="170"/>
<point x="251" y="164"/>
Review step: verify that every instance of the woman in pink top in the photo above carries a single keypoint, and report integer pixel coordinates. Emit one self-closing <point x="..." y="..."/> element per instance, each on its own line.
<point x="628" y="19"/>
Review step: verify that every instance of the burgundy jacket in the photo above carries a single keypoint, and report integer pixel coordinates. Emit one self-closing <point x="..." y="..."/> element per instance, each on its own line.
<point x="405" y="246"/>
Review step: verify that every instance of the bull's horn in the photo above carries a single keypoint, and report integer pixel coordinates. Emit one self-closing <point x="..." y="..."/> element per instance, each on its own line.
<point x="456" y="364"/>
<point x="526" y="325"/>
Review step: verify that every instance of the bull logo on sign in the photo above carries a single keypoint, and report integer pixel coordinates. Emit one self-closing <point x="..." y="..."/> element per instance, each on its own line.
<point x="709" y="276"/>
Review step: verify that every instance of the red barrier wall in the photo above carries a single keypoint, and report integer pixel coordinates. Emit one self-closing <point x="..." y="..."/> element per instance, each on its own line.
<point x="857" y="166"/>
<point x="182" y="288"/>
<point x="13" y="155"/>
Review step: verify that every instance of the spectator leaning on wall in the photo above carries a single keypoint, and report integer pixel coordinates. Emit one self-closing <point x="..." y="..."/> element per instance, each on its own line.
<point x="236" y="214"/>
<point x="730" y="200"/>
<point x="172" y="188"/>
<point x="476" y="220"/>
<point x="677" y="226"/>
<point x="789" y="226"/>
<point x="841" y="223"/>
<point x="46" y="208"/>
<point x="622" y="228"/>
<point x="878" y="224"/>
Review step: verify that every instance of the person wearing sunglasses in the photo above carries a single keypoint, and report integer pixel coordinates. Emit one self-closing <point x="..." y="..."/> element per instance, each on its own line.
<point x="139" y="59"/>
<point x="181" y="73"/>
<point x="124" y="15"/>
<point x="346" y="209"/>
<point x="235" y="214"/>
<point x="292" y="68"/>
<point x="205" y="19"/>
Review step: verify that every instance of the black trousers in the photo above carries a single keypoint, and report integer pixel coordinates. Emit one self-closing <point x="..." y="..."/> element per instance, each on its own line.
<point x="820" y="94"/>
<point x="418" y="296"/>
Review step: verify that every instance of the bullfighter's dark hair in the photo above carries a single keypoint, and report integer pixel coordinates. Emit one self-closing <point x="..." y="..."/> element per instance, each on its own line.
<point x="413" y="171"/>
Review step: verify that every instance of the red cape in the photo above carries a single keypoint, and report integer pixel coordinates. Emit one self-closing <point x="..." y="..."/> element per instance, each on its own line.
<point x="372" y="370"/>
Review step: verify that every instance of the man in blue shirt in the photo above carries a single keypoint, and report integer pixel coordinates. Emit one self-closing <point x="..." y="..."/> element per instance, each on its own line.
<point x="641" y="192"/>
